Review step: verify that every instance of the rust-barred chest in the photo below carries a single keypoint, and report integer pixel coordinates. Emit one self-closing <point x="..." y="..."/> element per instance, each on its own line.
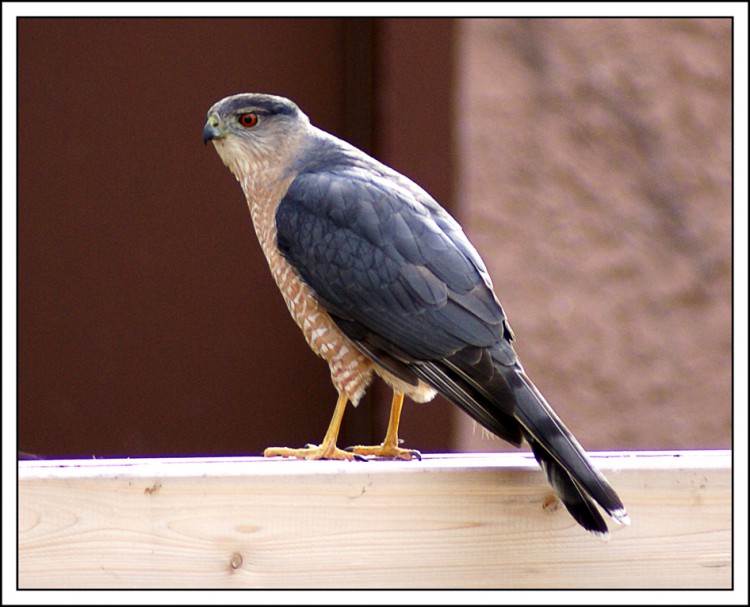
<point x="351" y="371"/>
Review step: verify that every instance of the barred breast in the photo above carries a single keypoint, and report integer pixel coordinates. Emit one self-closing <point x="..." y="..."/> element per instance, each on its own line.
<point x="351" y="371"/>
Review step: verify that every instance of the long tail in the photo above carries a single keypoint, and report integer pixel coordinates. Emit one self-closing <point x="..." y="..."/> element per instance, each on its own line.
<point x="502" y="398"/>
<point x="570" y="472"/>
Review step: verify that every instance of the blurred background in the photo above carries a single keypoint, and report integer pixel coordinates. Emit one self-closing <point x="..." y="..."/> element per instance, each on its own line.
<point x="589" y="160"/>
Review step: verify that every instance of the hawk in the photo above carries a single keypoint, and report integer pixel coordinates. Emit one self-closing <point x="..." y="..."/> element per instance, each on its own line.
<point x="383" y="281"/>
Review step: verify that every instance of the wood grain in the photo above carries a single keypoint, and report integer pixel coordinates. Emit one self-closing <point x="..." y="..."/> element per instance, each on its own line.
<point x="450" y="521"/>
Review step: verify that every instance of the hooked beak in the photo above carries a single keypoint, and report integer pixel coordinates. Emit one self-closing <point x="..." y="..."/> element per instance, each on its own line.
<point x="211" y="130"/>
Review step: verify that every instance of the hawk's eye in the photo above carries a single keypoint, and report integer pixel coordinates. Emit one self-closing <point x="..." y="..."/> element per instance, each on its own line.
<point x="249" y="120"/>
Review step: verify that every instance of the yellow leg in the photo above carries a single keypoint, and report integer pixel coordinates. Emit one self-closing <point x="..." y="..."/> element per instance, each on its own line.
<point x="327" y="449"/>
<point x="389" y="447"/>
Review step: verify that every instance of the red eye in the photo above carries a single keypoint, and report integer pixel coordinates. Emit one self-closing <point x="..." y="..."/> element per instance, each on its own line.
<point x="248" y="120"/>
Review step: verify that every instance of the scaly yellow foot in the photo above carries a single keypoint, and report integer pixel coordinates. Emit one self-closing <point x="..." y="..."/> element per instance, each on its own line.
<point x="387" y="450"/>
<point x="389" y="447"/>
<point x="321" y="451"/>
<point x="325" y="450"/>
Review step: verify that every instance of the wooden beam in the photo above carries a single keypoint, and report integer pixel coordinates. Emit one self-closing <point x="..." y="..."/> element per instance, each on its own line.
<point x="449" y="521"/>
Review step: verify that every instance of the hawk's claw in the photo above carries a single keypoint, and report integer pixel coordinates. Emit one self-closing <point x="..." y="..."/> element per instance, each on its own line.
<point x="385" y="451"/>
<point x="324" y="451"/>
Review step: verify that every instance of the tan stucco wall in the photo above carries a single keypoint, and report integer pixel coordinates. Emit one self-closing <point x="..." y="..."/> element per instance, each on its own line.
<point x="596" y="182"/>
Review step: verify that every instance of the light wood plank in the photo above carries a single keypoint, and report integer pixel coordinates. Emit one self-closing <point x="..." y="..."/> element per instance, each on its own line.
<point x="450" y="521"/>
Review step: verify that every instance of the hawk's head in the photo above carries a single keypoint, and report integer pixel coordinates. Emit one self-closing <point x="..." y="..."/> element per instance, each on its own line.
<point x="254" y="131"/>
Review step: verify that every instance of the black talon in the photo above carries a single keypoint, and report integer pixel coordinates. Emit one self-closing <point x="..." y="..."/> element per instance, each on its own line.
<point x="357" y="456"/>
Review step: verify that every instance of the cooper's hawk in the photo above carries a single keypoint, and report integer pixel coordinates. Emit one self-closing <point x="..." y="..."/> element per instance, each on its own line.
<point x="382" y="280"/>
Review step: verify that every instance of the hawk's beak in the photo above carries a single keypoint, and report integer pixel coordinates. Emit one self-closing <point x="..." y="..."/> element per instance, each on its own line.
<point x="211" y="130"/>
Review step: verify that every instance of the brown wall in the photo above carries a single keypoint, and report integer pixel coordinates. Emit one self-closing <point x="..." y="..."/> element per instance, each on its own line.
<point x="148" y="322"/>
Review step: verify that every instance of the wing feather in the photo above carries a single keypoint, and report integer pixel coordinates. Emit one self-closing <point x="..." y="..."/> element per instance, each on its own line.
<point x="375" y="257"/>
